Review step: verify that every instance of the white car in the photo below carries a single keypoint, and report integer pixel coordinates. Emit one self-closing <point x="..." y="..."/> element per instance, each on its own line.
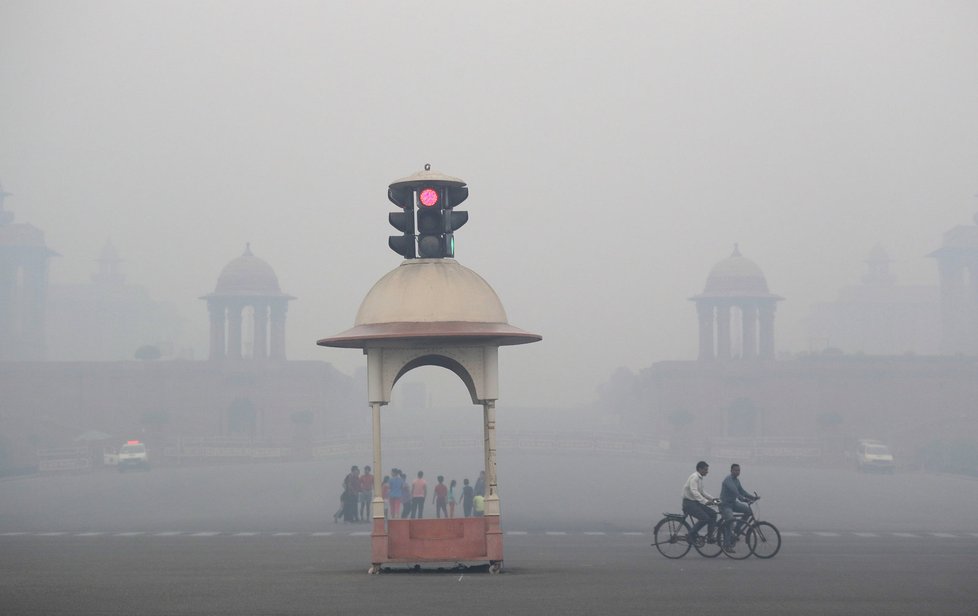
<point x="873" y="455"/>
<point x="133" y="455"/>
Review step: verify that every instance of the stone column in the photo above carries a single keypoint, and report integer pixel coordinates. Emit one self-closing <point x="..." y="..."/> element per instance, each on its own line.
<point x="277" y="346"/>
<point x="748" y="312"/>
<point x="218" y="323"/>
<point x="970" y="308"/>
<point x="377" y="501"/>
<point x="7" y="296"/>
<point x="260" y="311"/>
<point x="706" y="315"/>
<point x="494" y="533"/>
<point x="489" y="414"/>
<point x="723" y="331"/>
<point x="234" y="331"/>
<point x="766" y="318"/>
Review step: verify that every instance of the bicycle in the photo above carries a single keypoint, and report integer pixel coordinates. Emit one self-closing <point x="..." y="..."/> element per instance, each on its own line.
<point x="671" y="537"/>
<point x="762" y="539"/>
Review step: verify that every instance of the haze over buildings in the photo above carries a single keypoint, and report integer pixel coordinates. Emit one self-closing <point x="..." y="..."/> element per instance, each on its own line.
<point x="614" y="153"/>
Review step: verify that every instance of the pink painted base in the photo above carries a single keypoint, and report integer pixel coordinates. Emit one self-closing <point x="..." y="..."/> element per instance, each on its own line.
<point x="437" y="540"/>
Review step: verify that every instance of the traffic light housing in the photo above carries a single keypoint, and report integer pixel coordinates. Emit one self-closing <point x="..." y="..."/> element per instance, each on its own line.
<point x="437" y="221"/>
<point x="403" y="221"/>
<point x="431" y="234"/>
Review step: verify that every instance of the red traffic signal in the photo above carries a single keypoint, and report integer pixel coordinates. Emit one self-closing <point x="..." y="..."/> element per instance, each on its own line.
<point x="428" y="197"/>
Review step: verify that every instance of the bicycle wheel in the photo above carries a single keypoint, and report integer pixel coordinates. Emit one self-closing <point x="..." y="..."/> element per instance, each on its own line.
<point x="738" y="549"/>
<point x="670" y="537"/>
<point x="708" y="547"/>
<point x="764" y="540"/>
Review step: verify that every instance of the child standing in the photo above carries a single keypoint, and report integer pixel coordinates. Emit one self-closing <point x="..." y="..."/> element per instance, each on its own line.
<point x="451" y="498"/>
<point x="441" y="497"/>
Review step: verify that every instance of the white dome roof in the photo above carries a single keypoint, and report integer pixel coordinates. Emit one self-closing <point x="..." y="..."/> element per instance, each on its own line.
<point x="434" y="299"/>
<point x="431" y="290"/>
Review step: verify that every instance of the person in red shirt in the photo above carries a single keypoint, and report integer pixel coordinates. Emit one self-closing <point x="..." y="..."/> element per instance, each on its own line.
<point x="441" y="497"/>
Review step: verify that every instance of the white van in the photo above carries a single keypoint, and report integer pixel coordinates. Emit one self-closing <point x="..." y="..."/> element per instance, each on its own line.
<point x="872" y="455"/>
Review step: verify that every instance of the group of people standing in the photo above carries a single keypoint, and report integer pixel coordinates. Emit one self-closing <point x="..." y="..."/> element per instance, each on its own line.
<point x="405" y="498"/>
<point x="358" y="491"/>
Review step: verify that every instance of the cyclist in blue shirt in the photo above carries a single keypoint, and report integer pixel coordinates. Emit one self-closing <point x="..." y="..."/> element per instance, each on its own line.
<point x="733" y="499"/>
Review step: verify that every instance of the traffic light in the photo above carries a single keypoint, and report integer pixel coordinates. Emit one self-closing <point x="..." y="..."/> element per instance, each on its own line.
<point x="403" y="221"/>
<point x="437" y="221"/>
<point x="434" y="195"/>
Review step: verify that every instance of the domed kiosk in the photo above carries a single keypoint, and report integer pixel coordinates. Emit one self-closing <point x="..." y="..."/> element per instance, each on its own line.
<point x="433" y="312"/>
<point x="957" y="262"/>
<point x="24" y="260"/>
<point x="736" y="284"/>
<point x="247" y="282"/>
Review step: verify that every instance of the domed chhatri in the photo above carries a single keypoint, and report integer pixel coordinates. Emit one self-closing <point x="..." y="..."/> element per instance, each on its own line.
<point x="957" y="264"/>
<point x="247" y="282"/>
<point x="434" y="299"/>
<point x="247" y="275"/>
<point x="736" y="283"/>
<point x="736" y="276"/>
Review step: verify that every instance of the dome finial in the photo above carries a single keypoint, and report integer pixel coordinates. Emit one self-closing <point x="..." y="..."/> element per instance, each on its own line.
<point x="736" y="252"/>
<point x="247" y="252"/>
<point x="427" y="166"/>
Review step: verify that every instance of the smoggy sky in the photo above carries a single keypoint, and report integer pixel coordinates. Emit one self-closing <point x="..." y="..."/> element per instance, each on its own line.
<point x="614" y="153"/>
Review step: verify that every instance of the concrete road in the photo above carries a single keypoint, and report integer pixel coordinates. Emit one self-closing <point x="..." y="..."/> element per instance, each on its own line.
<point x="259" y="539"/>
<point x="556" y="572"/>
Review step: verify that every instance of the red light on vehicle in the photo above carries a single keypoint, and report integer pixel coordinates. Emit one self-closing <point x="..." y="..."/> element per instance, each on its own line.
<point x="132" y="442"/>
<point x="428" y="197"/>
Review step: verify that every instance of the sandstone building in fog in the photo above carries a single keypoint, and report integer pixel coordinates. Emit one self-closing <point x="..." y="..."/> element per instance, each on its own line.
<point x="888" y="378"/>
<point x="69" y="369"/>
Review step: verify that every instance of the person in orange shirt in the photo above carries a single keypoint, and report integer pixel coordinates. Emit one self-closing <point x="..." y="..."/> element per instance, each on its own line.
<point x="419" y="494"/>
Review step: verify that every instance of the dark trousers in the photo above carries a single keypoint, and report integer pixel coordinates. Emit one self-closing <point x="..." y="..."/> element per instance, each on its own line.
<point x="350" y="507"/>
<point x="417" y="507"/>
<point x="702" y="514"/>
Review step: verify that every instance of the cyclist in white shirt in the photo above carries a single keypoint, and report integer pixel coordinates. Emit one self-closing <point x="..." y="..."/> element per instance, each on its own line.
<point x="696" y="503"/>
